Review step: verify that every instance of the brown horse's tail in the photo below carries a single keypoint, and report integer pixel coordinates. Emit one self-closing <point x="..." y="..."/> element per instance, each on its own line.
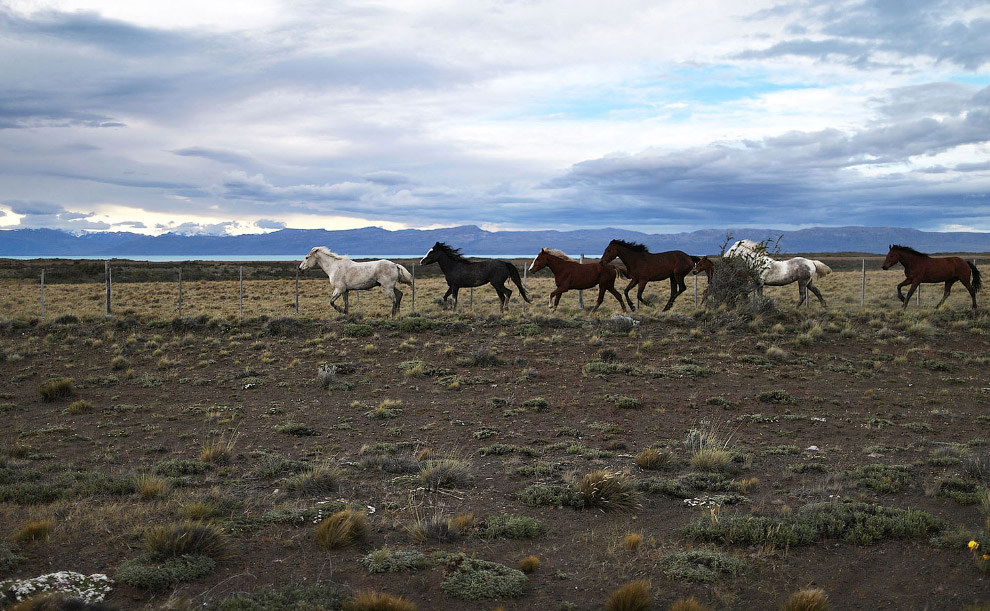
<point x="977" y="279"/>
<point x="622" y="271"/>
<point x="514" y="274"/>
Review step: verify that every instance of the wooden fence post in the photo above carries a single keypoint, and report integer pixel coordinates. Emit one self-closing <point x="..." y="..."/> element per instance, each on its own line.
<point x="180" y="292"/>
<point x="42" y="293"/>
<point x="106" y="271"/>
<point x="414" y="287"/>
<point x="862" y="299"/>
<point x="581" y="293"/>
<point x="696" y="290"/>
<point x="297" y="291"/>
<point x="471" y="299"/>
<point x="240" y="293"/>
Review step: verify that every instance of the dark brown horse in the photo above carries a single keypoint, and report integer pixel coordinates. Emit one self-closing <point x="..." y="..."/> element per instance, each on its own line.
<point x="704" y="264"/>
<point x="644" y="266"/>
<point x="919" y="267"/>
<point x="570" y="274"/>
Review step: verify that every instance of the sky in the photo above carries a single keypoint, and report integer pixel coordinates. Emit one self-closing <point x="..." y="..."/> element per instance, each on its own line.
<point x="660" y="116"/>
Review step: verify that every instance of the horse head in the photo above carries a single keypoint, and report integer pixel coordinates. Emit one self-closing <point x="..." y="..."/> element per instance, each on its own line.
<point x="310" y="260"/>
<point x="611" y="252"/>
<point x="431" y="255"/>
<point x="540" y="261"/>
<point x="704" y="264"/>
<point x="893" y="257"/>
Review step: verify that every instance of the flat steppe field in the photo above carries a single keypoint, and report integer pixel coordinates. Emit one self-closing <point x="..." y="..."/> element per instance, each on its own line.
<point x="247" y="455"/>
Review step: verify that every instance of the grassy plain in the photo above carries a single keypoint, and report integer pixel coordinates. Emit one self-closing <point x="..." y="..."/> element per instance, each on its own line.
<point x="246" y="460"/>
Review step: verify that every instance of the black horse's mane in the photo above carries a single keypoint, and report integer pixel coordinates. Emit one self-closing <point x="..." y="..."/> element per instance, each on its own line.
<point x="909" y="250"/>
<point x="634" y="246"/>
<point x="450" y="251"/>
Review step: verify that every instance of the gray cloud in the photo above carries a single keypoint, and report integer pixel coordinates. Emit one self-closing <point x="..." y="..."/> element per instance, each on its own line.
<point x="269" y="224"/>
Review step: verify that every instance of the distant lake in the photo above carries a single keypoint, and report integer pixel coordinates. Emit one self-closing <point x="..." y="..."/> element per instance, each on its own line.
<point x="168" y="258"/>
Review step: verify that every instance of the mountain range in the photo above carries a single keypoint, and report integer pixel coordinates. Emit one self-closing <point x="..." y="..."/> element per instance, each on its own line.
<point x="472" y="240"/>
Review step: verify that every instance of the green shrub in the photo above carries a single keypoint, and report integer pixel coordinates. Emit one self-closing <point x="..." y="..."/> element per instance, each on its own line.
<point x="700" y="565"/>
<point x="882" y="478"/>
<point x="776" y="396"/>
<point x="513" y="527"/>
<point x="416" y="324"/>
<point x="385" y="560"/>
<point x="178" y="467"/>
<point x="146" y="572"/>
<point x="358" y="330"/>
<point x="473" y="579"/>
<point x="298" y="429"/>
<point x="551" y="495"/>
<point x="289" y="598"/>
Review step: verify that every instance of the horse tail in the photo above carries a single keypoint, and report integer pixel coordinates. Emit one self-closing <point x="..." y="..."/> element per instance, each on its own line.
<point x="514" y="274"/>
<point x="821" y="270"/>
<point x="621" y="271"/>
<point x="977" y="280"/>
<point x="404" y="276"/>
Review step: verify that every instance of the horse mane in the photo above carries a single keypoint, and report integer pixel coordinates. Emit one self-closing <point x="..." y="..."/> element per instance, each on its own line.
<point x="450" y="251"/>
<point x="329" y="253"/>
<point x="558" y="253"/>
<point x="908" y="249"/>
<point x="634" y="246"/>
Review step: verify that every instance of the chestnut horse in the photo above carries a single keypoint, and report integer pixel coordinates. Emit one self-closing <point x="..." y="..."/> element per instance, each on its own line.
<point x="570" y="274"/>
<point x="704" y="264"/>
<point x="644" y="266"/>
<point x="919" y="267"/>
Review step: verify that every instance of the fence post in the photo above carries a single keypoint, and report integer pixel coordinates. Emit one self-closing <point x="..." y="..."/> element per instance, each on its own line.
<point x="107" y="275"/>
<point x="180" y="292"/>
<point x="696" y="290"/>
<point x="862" y="299"/>
<point x="297" y="291"/>
<point x="240" y="293"/>
<point x="581" y="293"/>
<point x="471" y="299"/>
<point x="357" y="297"/>
<point x="414" y="287"/>
<point x="919" y="296"/>
<point x="525" y="272"/>
<point x="42" y="293"/>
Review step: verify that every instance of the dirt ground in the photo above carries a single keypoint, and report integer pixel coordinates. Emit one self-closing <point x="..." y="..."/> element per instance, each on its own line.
<point x="839" y="390"/>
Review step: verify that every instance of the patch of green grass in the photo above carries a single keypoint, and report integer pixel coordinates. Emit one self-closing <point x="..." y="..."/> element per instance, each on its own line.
<point x="182" y="466"/>
<point x="784" y="450"/>
<point x="294" y="598"/>
<point x="882" y="478"/>
<point x="513" y="527"/>
<point x="551" y="495"/>
<point x="776" y="396"/>
<point x="500" y="449"/>
<point x="387" y="560"/>
<point x="146" y="572"/>
<point x="416" y="324"/>
<point x="854" y="523"/>
<point x="358" y="330"/>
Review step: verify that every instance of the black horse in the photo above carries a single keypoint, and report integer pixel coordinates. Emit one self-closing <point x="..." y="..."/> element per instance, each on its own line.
<point x="460" y="272"/>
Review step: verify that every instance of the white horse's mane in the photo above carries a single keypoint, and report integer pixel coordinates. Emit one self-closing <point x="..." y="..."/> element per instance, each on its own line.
<point x="328" y="252"/>
<point x="558" y="253"/>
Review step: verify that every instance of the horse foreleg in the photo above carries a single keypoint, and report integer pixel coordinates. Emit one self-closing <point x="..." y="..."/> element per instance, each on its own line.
<point x="945" y="293"/>
<point x="631" y="284"/>
<point x="618" y="297"/>
<point x="335" y="296"/>
<point x="601" y="298"/>
<point x="900" y="295"/>
<point x="802" y="294"/>
<point x="676" y="288"/>
<point x="396" y="300"/>
<point x="639" y="293"/>
<point x="555" y="298"/>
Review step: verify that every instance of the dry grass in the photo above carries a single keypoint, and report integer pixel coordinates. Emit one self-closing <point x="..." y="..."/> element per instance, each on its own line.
<point x="35" y="530"/>
<point x="369" y="600"/>
<point x="341" y="529"/>
<point x="633" y="596"/>
<point x="811" y="599"/>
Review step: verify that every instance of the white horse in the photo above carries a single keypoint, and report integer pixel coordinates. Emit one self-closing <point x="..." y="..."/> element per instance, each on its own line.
<point x="347" y="275"/>
<point x="780" y="273"/>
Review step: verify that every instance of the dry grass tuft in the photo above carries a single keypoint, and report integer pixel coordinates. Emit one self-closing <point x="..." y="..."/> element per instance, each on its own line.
<point x="35" y="530"/>
<point x="150" y="486"/>
<point x="809" y="599"/>
<point x="687" y="604"/>
<point x="370" y="600"/>
<point x="608" y="491"/>
<point x="341" y="529"/>
<point x="634" y="596"/>
<point x="652" y="458"/>
<point x="188" y="539"/>
<point x="632" y="542"/>
<point x="529" y="564"/>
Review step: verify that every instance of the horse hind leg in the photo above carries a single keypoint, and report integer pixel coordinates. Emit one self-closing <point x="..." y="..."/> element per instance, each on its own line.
<point x="631" y="284"/>
<point x="396" y="301"/>
<point x="971" y="289"/>
<point x="802" y="294"/>
<point x="945" y="292"/>
<point x="335" y="296"/>
<point x="818" y="294"/>
<point x="907" y="298"/>
<point x="675" y="290"/>
<point x="601" y="298"/>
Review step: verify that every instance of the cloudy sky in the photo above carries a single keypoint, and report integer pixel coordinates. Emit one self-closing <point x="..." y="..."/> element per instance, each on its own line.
<point x="655" y="115"/>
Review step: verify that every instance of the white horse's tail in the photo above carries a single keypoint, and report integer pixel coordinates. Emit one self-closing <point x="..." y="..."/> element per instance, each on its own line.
<point x="821" y="270"/>
<point x="404" y="276"/>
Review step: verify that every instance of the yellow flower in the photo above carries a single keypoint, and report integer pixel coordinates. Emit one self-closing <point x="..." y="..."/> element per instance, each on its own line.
<point x="986" y="556"/>
<point x="973" y="545"/>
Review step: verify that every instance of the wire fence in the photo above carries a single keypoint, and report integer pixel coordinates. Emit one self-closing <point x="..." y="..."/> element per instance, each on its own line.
<point x="103" y="288"/>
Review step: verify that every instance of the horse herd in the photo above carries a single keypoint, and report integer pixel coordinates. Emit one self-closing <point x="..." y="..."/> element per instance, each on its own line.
<point x="639" y="266"/>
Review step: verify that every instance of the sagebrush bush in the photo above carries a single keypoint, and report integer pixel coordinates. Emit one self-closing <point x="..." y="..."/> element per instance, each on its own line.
<point x="633" y="596"/>
<point x="341" y="529"/>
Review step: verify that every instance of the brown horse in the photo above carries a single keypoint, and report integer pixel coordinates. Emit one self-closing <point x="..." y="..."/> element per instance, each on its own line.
<point x="644" y="266"/>
<point x="919" y="267"/>
<point x="704" y="264"/>
<point x="570" y="274"/>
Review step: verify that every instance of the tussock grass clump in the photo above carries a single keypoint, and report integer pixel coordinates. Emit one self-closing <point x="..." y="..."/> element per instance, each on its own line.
<point x="297" y="428"/>
<point x="200" y="511"/>
<point x="551" y="495"/>
<point x="378" y="601"/>
<point x="500" y="449"/>
<point x="81" y="406"/>
<point x="632" y="542"/>
<point x="53" y="390"/>
<point x="710" y="447"/>
<point x="180" y="466"/>
<point x="809" y="599"/>
<point x="288" y="597"/>
<point x="608" y="491"/>
<point x="386" y="560"/>
<point x="218" y="450"/>
<point x="187" y="539"/>
<point x="529" y="564"/>
<point x="439" y="473"/>
<point x="389" y="408"/>
<point x="437" y="528"/>
<point x="318" y="481"/>
<point x="150" y="486"/>
<point x="481" y="357"/>
<point x="35" y="530"/>
<point x="633" y="596"/>
<point x="416" y="324"/>
<point x="341" y="529"/>
<point x="474" y="579"/>
<point x="273" y="465"/>
<point x="688" y="604"/>
<point x="779" y="396"/>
